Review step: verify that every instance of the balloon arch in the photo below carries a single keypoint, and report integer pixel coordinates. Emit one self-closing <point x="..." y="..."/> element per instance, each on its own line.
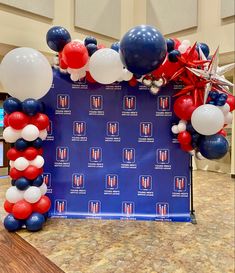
<point x="142" y="56"/>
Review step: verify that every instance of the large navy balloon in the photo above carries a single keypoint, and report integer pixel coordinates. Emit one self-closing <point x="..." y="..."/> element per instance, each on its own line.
<point x="142" y="49"/>
<point x="57" y="38"/>
<point x="214" y="146"/>
<point x="11" y="223"/>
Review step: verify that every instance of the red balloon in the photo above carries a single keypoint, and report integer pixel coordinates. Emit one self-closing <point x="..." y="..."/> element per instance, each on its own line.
<point x="18" y="120"/>
<point x="89" y="77"/>
<point x="15" y="174"/>
<point x="133" y="82"/>
<point x="31" y="172"/>
<point x="5" y="120"/>
<point x="13" y="154"/>
<point x="43" y="205"/>
<point x="62" y="63"/>
<point x="184" y="107"/>
<point x="167" y="69"/>
<point x="231" y="102"/>
<point x="222" y="132"/>
<point x="177" y="43"/>
<point x="8" y="206"/>
<point x="195" y="55"/>
<point x="22" y="210"/>
<point x="75" y="54"/>
<point x="30" y="153"/>
<point x="184" y="138"/>
<point x="40" y="171"/>
<point x="40" y="120"/>
<point x="186" y="147"/>
<point x="40" y="151"/>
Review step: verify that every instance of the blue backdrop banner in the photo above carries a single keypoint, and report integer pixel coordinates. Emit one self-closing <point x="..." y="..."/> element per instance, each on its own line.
<point x="110" y="153"/>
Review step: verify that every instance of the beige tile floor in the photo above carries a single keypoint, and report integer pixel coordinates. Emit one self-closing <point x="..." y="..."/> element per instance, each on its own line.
<point x="95" y="246"/>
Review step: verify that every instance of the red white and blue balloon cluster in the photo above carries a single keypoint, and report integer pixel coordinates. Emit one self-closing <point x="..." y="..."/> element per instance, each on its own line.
<point x="203" y="105"/>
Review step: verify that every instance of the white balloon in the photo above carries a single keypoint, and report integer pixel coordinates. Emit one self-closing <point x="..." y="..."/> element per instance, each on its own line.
<point x="26" y="73"/>
<point x="43" y="134"/>
<point x="11" y="135"/>
<point x="207" y="119"/>
<point x="126" y="75"/>
<point x="181" y="127"/>
<point x="37" y="162"/>
<point x="225" y="108"/>
<point x="14" y="195"/>
<point x="43" y="189"/>
<point x="74" y="77"/>
<point x="30" y="132"/>
<point x="228" y="118"/>
<point x="175" y="129"/>
<point x="105" y="66"/>
<point x="182" y="49"/>
<point x="32" y="194"/>
<point x="199" y="156"/>
<point x="186" y="43"/>
<point x="11" y="163"/>
<point x="21" y="163"/>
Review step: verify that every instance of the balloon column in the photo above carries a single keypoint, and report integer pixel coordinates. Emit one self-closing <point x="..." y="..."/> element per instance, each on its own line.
<point x="26" y="75"/>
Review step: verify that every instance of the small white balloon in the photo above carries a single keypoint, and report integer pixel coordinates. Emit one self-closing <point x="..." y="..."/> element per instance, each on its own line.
<point x="154" y="90"/>
<point x="11" y="163"/>
<point x="43" y="189"/>
<point x="74" y="77"/>
<point x="30" y="132"/>
<point x="228" y="118"/>
<point x="32" y="194"/>
<point x="225" y="108"/>
<point x="14" y="195"/>
<point x="37" y="162"/>
<point x="186" y="43"/>
<point x="181" y="127"/>
<point x="182" y="49"/>
<point x="175" y="129"/>
<point x="126" y="75"/>
<point x="43" y="134"/>
<point x="21" y="163"/>
<point x="147" y="82"/>
<point x="11" y="135"/>
<point x="199" y="156"/>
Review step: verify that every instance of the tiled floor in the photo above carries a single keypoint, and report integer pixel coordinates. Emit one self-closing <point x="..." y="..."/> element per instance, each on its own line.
<point x="95" y="246"/>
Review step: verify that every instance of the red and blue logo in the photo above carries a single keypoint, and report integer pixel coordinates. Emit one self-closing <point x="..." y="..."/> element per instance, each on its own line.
<point x="164" y="103"/>
<point x="146" y="129"/>
<point x="129" y="103"/>
<point x="145" y="182"/>
<point x="128" y="155"/>
<point x="63" y="101"/>
<point x="79" y="128"/>
<point x="112" y="128"/>
<point x="111" y="181"/>
<point x="49" y="129"/>
<point x="95" y="154"/>
<point x="163" y="156"/>
<point x="78" y="180"/>
<point x="47" y="179"/>
<point x="162" y="209"/>
<point x="180" y="183"/>
<point x="60" y="206"/>
<point x="96" y="102"/>
<point x="94" y="206"/>
<point x="62" y="154"/>
<point x="128" y="208"/>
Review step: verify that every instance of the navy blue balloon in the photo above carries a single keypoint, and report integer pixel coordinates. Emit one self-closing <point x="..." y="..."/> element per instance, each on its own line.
<point x="214" y="146"/>
<point x="11" y="105"/>
<point x="22" y="183"/>
<point x="170" y="44"/>
<point x="223" y="95"/>
<point x="57" y="37"/>
<point x="115" y="46"/>
<point x="11" y="223"/>
<point x="38" y="181"/>
<point x="213" y="95"/>
<point x="205" y="48"/>
<point x="173" y="56"/>
<point x="31" y="107"/>
<point x="91" y="48"/>
<point x="142" y="49"/>
<point x="37" y="143"/>
<point x="90" y="40"/>
<point x="35" y="222"/>
<point x="21" y="144"/>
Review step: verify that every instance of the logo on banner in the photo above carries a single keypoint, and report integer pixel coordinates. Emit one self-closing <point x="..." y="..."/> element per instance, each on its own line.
<point x="63" y="101"/>
<point x="128" y="155"/>
<point x="49" y="129"/>
<point x="129" y="103"/>
<point x="79" y="128"/>
<point x="62" y="154"/>
<point x="96" y="102"/>
<point x="163" y="156"/>
<point x="146" y="129"/>
<point x="94" y="206"/>
<point x="164" y="103"/>
<point x="47" y="179"/>
<point x="180" y="183"/>
<point x="128" y="208"/>
<point x="145" y="182"/>
<point x="111" y="181"/>
<point x="162" y="209"/>
<point x="78" y="180"/>
<point x="112" y="129"/>
<point x="60" y="206"/>
<point x="95" y="154"/>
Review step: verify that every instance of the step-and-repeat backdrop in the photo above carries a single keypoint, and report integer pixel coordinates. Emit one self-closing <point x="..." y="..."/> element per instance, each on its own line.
<point x="110" y="153"/>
